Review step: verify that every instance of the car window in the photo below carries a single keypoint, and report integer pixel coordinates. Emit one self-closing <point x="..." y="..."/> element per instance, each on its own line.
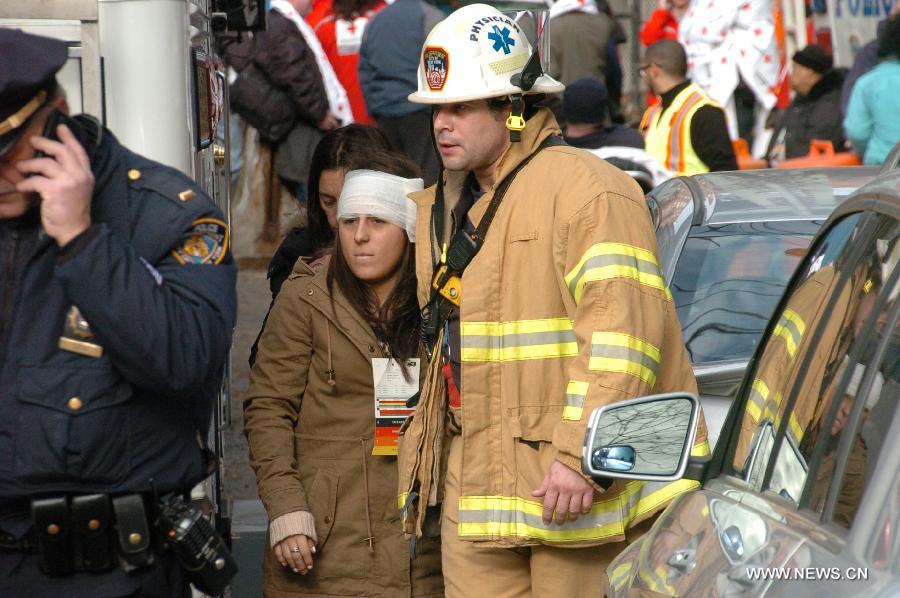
<point x="831" y="362"/>
<point x="673" y="203"/>
<point x="778" y="365"/>
<point x="728" y="280"/>
<point x="866" y="405"/>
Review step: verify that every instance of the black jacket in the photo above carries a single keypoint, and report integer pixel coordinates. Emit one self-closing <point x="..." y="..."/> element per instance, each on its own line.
<point x="281" y="52"/>
<point x="817" y="115"/>
<point x="153" y="279"/>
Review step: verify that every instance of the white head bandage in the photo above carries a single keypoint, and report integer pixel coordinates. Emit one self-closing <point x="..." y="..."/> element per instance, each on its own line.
<point x="380" y="195"/>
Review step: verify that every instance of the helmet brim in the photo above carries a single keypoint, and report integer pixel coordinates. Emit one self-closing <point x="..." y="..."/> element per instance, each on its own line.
<point x="544" y="84"/>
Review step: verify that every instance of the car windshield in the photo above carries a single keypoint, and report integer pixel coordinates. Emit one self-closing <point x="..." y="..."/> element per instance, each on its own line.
<point x="729" y="279"/>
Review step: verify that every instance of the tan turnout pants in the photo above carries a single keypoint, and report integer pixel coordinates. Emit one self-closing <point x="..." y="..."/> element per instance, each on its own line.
<point x="538" y="571"/>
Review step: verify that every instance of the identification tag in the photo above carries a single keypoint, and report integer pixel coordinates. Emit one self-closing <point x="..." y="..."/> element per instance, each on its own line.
<point x="392" y="391"/>
<point x="349" y="35"/>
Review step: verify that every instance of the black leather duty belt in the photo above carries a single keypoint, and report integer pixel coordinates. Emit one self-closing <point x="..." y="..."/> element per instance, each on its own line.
<point x="95" y="532"/>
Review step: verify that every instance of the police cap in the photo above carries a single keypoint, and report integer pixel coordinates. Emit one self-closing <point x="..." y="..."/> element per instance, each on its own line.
<point x="28" y="66"/>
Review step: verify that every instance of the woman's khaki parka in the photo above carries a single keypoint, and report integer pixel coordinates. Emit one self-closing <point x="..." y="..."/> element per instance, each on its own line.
<point x="309" y="418"/>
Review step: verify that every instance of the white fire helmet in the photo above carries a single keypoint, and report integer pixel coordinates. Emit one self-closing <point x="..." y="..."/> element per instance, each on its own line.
<point x="471" y="55"/>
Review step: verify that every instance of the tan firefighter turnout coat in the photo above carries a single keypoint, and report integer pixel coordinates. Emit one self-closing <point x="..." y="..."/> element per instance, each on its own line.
<point x="564" y="309"/>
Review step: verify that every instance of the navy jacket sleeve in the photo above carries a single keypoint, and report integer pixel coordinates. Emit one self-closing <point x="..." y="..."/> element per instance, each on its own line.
<point x="165" y="325"/>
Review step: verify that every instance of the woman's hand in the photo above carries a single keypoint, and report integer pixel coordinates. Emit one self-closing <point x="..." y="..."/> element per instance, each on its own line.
<point x="296" y="552"/>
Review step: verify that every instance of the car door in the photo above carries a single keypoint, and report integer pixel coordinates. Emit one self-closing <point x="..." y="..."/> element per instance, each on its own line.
<point x="784" y="498"/>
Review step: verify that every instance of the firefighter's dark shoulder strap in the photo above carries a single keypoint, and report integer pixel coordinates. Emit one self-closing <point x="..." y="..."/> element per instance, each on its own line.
<point x="463" y="246"/>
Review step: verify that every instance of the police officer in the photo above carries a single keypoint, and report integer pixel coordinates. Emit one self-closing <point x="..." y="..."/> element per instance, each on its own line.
<point x="117" y="303"/>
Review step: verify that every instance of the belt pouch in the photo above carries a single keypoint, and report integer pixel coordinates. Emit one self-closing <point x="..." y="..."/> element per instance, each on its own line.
<point x="51" y="524"/>
<point x="91" y="532"/>
<point x="132" y="532"/>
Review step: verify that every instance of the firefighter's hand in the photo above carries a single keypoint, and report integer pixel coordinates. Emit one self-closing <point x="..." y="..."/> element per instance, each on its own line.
<point x="65" y="183"/>
<point x="565" y="493"/>
<point x="296" y="552"/>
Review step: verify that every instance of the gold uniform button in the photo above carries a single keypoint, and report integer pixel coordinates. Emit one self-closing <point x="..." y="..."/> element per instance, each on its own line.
<point x="309" y="291"/>
<point x="75" y="404"/>
<point x="187" y="195"/>
<point x="135" y="538"/>
<point x="93" y="525"/>
<point x="53" y="529"/>
<point x="134" y="174"/>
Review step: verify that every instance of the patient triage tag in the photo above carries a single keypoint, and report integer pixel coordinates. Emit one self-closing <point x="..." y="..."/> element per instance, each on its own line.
<point x="391" y="394"/>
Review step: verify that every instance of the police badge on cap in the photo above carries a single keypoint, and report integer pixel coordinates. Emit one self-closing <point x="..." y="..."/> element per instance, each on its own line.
<point x="28" y="66"/>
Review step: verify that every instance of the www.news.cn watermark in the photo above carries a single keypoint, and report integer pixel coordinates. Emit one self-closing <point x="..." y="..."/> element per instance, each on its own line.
<point x="808" y="574"/>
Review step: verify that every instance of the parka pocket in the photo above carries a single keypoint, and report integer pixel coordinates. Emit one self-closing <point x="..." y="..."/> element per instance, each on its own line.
<point x="322" y="499"/>
<point x="71" y="423"/>
<point x="341" y="551"/>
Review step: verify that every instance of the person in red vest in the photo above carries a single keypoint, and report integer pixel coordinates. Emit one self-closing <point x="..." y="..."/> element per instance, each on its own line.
<point x="339" y="25"/>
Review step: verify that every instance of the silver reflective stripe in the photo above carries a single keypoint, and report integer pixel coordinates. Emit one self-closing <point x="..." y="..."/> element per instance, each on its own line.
<point x="469" y="341"/>
<point x="600" y="261"/>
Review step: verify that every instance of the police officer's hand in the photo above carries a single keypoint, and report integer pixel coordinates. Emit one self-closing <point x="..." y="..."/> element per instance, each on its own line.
<point x="565" y="493"/>
<point x="296" y="552"/>
<point x="65" y="183"/>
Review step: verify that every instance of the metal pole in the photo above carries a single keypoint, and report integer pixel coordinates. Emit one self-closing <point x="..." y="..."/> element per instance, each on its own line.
<point x="635" y="55"/>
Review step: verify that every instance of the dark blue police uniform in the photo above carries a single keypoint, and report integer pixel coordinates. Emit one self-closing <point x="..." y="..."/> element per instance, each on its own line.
<point x="113" y="348"/>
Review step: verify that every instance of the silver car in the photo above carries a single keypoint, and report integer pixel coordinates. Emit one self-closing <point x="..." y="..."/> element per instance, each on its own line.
<point x="802" y="496"/>
<point x="728" y="243"/>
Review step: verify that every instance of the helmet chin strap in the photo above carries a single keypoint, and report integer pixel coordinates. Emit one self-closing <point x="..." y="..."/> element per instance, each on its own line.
<point x="524" y="80"/>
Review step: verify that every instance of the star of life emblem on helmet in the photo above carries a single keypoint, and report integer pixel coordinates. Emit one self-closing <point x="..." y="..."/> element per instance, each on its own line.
<point x="501" y="39"/>
<point x="437" y="64"/>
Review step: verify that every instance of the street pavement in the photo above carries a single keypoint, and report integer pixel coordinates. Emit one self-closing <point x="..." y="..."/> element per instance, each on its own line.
<point x="253" y="303"/>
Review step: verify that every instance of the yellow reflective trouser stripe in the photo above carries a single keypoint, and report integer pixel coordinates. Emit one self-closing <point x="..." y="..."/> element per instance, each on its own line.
<point x="790" y="327"/>
<point x="401" y="500"/>
<point x="617" y="352"/>
<point x="575" y="393"/>
<point x="517" y="340"/>
<point x="603" y="261"/>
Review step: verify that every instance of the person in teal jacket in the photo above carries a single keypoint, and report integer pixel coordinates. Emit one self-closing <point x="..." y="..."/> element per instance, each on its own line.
<point x="872" y="124"/>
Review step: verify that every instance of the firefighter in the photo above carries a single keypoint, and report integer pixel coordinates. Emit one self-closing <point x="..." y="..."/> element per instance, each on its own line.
<point x="116" y="310"/>
<point x="548" y="304"/>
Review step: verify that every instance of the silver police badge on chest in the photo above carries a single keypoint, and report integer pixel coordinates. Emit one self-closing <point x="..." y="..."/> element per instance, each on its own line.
<point x="77" y="336"/>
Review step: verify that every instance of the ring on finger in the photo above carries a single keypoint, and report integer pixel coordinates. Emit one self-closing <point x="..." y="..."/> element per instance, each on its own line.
<point x="295" y="549"/>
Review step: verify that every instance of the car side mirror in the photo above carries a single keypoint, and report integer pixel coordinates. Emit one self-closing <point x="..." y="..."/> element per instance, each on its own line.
<point x="649" y="438"/>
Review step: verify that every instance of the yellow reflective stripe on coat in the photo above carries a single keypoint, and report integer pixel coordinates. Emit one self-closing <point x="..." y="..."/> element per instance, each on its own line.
<point x="623" y="353"/>
<point x="517" y="340"/>
<point x="620" y="576"/>
<point x="790" y="327"/>
<point x="575" y="394"/>
<point x="760" y="407"/>
<point x="604" y="261"/>
<point x="756" y="402"/>
<point x="513" y="516"/>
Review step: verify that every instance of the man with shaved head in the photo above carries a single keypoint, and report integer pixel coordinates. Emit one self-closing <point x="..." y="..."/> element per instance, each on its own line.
<point x="686" y="131"/>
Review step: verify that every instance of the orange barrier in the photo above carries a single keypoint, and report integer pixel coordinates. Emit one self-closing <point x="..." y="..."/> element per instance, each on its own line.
<point x="821" y="153"/>
<point x="744" y="159"/>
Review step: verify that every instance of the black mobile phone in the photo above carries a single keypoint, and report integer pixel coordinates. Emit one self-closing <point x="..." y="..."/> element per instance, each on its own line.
<point x="55" y="119"/>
